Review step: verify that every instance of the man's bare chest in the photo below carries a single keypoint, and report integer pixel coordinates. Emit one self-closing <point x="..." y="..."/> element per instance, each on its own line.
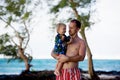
<point x="73" y="49"/>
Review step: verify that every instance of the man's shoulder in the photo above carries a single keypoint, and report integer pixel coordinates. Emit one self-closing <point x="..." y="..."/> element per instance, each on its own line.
<point x="81" y="41"/>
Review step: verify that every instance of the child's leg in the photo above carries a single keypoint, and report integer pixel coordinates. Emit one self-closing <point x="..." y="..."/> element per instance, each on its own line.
<point x="56" y="65"/>
<point x="58" y="68"/>
<point x="55" y="72"/>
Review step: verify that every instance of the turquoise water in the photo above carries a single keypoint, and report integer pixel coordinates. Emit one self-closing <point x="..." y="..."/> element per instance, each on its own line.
<point x="15" y="67"/>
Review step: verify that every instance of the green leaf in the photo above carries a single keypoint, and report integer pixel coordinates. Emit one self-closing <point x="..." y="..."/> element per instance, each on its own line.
<point x="17" y="13"/>
<point x="7" y="1"/>
<point x="11" y="7"/>
<point x="55" y="9"/>
<point x="73" y="4"/>
<point x="26" y="15"/>
<point x="9" y="20"/>
<point x="61" y="4"/>
<point x="1" y="41"/>
<point x="22" y="1"/>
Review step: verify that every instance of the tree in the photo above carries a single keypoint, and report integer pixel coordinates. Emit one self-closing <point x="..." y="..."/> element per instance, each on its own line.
<point x="82" y="11"/>
<point x="16" y="15"/>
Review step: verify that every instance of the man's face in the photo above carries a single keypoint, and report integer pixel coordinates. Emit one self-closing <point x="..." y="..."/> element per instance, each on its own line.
<point x="73" y="29"/>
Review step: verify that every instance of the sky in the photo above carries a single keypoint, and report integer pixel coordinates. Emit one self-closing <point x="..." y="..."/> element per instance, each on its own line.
<point x="103" y="37"/>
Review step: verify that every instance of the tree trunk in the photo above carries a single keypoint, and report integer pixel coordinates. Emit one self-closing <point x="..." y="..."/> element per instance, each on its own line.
<point x="25" y="59"/>
<point x="91" y="71"/>
<point x="93" y="75"/>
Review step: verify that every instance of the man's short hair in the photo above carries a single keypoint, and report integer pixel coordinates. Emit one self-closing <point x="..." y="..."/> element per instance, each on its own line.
<point x="78" y="23"/>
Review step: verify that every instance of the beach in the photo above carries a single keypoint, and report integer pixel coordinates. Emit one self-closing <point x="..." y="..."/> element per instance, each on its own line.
<point x="48" y="75"/>
<point x="42" y="69"/>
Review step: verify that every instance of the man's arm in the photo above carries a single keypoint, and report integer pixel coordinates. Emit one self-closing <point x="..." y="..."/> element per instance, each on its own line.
<point x="80" y="57"/>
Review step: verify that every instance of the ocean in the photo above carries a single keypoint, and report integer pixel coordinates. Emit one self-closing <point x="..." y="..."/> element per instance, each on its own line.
<point x="16" y="67"/>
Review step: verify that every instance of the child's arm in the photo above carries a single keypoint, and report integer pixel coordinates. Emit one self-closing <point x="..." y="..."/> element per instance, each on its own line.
<point x="54" y="55"/>
<point x="70" y="40"/>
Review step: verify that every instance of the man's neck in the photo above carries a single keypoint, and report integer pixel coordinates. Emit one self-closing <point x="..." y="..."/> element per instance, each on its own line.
<point x="74" y="36"/>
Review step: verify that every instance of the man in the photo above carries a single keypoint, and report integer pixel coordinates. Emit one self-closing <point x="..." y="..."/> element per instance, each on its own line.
<point x="75" y="52"/>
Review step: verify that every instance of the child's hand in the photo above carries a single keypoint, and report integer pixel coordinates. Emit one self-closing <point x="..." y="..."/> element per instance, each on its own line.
<point x="62" y="38"/>
<point x="70" y="41"/>
<point x="63" y="58"/>
<point x="58" y="57"/>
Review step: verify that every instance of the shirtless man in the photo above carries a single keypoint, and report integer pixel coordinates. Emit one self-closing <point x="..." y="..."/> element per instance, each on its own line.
<point x="75" y="52"/>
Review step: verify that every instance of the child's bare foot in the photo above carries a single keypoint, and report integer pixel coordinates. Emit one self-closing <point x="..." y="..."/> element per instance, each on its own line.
<point x="56" y="72"/>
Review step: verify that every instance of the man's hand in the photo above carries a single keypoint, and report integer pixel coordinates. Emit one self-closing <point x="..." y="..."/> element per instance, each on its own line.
<point x="63" y="58"/>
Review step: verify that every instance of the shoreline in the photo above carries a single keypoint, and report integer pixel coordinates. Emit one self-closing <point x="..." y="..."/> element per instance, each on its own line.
<point x="104" y="75"/>
<point x="48" y="75"/>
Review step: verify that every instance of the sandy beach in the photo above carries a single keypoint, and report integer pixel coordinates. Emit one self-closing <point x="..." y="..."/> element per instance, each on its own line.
<point x="48" y="75"/>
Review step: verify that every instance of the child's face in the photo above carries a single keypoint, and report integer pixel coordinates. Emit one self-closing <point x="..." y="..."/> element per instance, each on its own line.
<point x="62" y="29"/>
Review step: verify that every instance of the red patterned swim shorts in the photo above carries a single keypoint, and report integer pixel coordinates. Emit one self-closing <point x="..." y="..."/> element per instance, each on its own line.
<point x="69" y="74"/>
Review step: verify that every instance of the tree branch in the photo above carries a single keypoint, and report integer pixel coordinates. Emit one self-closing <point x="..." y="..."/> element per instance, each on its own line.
<point x="27" y="34"/>
<point x="8" y="24"/>
<point x="13" y="42"/>
<point x="17" y="34"/>
<point x="74" y="9"/>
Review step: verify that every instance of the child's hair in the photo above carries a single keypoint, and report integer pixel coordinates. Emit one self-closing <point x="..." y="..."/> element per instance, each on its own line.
<point x="58" y="26"/>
